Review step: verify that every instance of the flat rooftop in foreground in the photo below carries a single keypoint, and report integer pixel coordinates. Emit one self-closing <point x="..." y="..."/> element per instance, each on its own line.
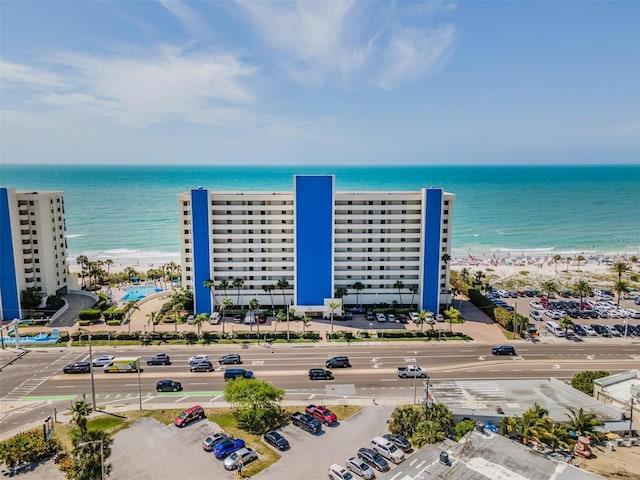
<point x="485" y="457"/>
<point x="478" y="399"/>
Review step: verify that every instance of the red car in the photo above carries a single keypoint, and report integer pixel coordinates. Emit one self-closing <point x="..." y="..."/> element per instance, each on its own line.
<point x="322" y="414"/>
<point x="262" y="317"/>
<point x="189" y="415"/>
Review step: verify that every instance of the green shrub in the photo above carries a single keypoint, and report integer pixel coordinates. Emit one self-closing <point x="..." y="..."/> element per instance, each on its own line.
<point x="90" y="314"/>
<point x="113" y="323"/>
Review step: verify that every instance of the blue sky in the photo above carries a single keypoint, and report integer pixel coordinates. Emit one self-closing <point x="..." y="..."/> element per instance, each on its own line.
<point x="173" y="82"/>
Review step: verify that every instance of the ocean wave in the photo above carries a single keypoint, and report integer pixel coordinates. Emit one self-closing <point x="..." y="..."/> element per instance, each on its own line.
<point x="75" y="235"/>
<point x="125" y="257"/>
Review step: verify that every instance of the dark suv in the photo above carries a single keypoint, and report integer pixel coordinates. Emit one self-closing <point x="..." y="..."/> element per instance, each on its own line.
<point x="374" y="459"/>
<point x="503" y="350"/>
<point x="231" y="359"/>
<point x="320" y="374"/>
<point x="168" y="386"/>
<point x="78" y="367"/>
<point x="159" y="359"/>
<point x="336" y="362"/>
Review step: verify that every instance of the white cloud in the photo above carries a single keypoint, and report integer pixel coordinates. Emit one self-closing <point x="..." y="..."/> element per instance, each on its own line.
<point x="18" y="75"/>
<point x="412" y="52"/>
<point x="316" y="40"/>
<point x="168" y="84"/>
<point x="187" y="17"/>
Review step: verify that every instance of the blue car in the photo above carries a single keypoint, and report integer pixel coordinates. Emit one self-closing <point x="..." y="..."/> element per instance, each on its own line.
<point x="227" y="447"/>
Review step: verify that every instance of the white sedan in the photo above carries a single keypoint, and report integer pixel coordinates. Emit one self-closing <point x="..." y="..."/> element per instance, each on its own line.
<point x="198" y="358"/>
<point x="536" y="304"/>
<point x="102" y="360"/>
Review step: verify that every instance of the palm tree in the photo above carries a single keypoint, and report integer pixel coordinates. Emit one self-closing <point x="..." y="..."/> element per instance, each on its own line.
<point x="465" y="276"/>
<point x="566" y="323"/>
<point x="568" y="259"/>
<point x="509" y="426"/>
<point x="549" y="287"/>
<point x="89" y="454"/>
<point x="269" y="289"/>
<point x="620" y="287"/>
<point x="238" y="283"/>
<point x="283" y="285"/>
<point x="199" y="320"/>
<point x="452" y="315"/>
<point x="620" y="268"/>
<point x="254" y="305"/>
<point x="280" y="317"/>
<point x="80" y="410"/>
<point x="82" y="260"/>
<point x="152" y="316"/>
<point x="226" y="303"/>
<point x="556" y="259"/>
<point x="557" y="436"/>
<point x="224" y="284"/>
<point x="414" y="290"/>
<point x="130" y="272"/>
<point x="358" y="287"/>
<point x="404" y="421"/>
<point x="399" y="285"/>
<point x="582" y="288"/>
<point x="478" y="278"/>
<point x="210" y="284"/>
<point x="584" y="423"/>
<point x="579" y="259"/>
<point x="439" y="413"/>
<point x="341" y="292"/>
<point x="422" y="318"/>
<point x="532" y="426"/>
<point x="108" y="262"/>
<point x="306" y="319"/>
<point x="332" y="307"/>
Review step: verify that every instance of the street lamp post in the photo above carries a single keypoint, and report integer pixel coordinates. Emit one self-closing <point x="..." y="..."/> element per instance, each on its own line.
<point x="101" y="454"/>
<point x="93" y="385"/>
<point x="414" y="378"/>
<point x="426" y="398"/>
<point x="287" y="323"/>
<point x="139" y="384"/>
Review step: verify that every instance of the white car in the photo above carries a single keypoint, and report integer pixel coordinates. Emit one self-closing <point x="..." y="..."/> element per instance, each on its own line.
<point x="336" y="472"/>
<point x="439" y="317"/>
<point x="198" y="358"/>
<point x="590" y="331"/>
<point x="414" y="316"/>
<point x="360" y="468"/>
<point x="613" y="332"/>
<point x="535" y="314"/>
<point x="102" y="360"/>
<point x="245" y="455"/>
<point x="536" y="304"/>
<point x="553" y="314"/>
<point x="391" y="318"/>
<point x="633" y="313"/>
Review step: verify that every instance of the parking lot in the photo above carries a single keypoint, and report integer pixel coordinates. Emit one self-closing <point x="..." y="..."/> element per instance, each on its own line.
<point x="149" y="450"/>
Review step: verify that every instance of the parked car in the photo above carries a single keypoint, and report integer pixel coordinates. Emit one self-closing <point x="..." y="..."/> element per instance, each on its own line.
<point x="276" y="440"/>
<point x="78" y="367"/>
<point x="399" y="441"/>
<point x="103" y="360"/>
<point x="245" y="455"/>
<point x="535" y="314"/>
<point x="579" y="330"/>
<point x="320" y="374"/>
<point x="322" y="414"/>
<point x="590" y="331"/>
<point x="189" y="415"/>
<point x="360" y="468"/>
<point x="633" y="330"/>
<point x="439" y="317"/>
<point x="209" y="443"/>
<point x="159" y="359"/>
<point x="600" y="329"/>
<point x="198" y="358"/>
<point x="374" y="459"/>
<point x="503" y="350"/>
<point x="336" y="472"/>
<point x="612" y="331"/>
<point x="202" y="366"/>
<point x="231" y="359"/>
<point x="168" y="386"/>
<point x="227" y="447"/>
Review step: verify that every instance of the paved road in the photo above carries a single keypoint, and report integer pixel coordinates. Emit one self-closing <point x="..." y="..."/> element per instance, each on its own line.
<point x="70" y="317"/>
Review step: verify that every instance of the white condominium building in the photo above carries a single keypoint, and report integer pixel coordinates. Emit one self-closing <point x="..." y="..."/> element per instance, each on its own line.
<point x="33" y="248"/>
<point x="315" y="241"/>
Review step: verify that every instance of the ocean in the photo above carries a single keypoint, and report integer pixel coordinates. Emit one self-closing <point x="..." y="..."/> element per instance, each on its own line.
<point x="130" y="213"/>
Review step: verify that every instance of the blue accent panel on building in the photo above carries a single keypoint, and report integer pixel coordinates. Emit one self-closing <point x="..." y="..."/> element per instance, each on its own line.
<point x="8" y="282"/>
<point x="314" y="238"/>
<point x="201" y="250"/>
<point x="431" y="272"/>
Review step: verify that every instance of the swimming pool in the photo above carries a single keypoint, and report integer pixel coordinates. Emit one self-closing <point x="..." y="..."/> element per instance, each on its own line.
<point x="138" y="292"/>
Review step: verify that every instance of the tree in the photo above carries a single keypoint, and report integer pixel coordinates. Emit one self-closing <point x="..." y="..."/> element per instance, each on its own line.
<point x="108" y="262"/>
<point x="414" y="290"/>
<point x="238" y="283"/>
<point x="453" y="316"/>
<point x="399" y="284"/>
<point x="199" y="320"/>
<point x="582" y="289"/>
<point x="557" y="436"/>
<point x="423" y="317"/>
<point x="584" y="423"/>
<point x="280" y="317"/>
<point x="130" y="272"/>
<point x="566" y="323"/>
<point x="30" y="298"/>
<point x="256" y="404"/>
<point x="464" y="427"/>
<point x="80" y="410"/>
<point x="224" y="284"/>
<point x="583" y="381"/>
<point x="269" y="289"/>
<point x="226" y="304"/>
<point x="333" y="306"/>
<point x="579" y="259"/>
<point x="620" y="268"/>
<point x="358" y="287"/>
<point x="619" y="288"/>
<point x="283" y="285"/>
<point x="89" y="455"/>
<point x="210" y="284"/>
<point x="152" y="317"/>
<point x="341" y="292"/>
<point x="549" y="287"/>
<point x="254" y="305"/>
<point x="556" y="259"/>
<point x="82" y="260"/>
<point x="306" y="320"/>
<point x="404" y="420"/>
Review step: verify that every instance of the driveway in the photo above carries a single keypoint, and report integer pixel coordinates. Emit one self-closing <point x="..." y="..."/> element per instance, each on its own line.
<point x="76" y="303"/>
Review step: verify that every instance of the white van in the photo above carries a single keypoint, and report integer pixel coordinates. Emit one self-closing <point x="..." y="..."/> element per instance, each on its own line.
<point x="214" y="318"/>
<point x="554" y="328"/>
<point x="387" y="449"/>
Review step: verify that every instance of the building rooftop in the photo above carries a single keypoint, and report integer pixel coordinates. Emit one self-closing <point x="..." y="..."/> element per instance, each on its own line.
<point x="485" y="457"/>
<point x="478" y="399"/>
<point x="621" y="387"/>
